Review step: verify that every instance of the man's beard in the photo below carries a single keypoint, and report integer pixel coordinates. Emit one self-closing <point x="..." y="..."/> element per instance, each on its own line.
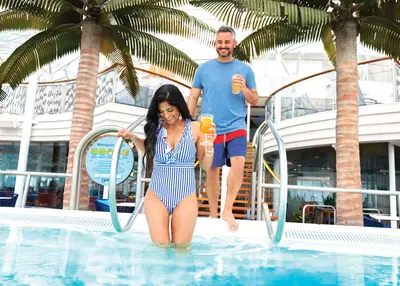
<point x="219" y="51"/>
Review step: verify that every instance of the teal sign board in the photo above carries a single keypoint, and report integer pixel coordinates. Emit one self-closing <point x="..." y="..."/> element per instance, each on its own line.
<point x="98" y="160"/>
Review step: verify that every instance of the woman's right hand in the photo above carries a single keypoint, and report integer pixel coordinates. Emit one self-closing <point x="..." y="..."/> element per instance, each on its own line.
<point x="126" y="134"/>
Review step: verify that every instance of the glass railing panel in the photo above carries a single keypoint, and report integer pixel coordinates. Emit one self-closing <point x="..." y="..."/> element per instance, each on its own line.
<point x="148" y="85"/>
<point x="379" y="83"/>
<point x="58" y="97"/>
<point x="49" y="99"/>
<point x="15" y="102"/>
<point x="303" y="98"/>
<point x="42" y="191"/>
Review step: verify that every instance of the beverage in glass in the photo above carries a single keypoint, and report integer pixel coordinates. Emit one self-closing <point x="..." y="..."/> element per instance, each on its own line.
<point x="206" y="122"/>
<point x="235" y="87"/>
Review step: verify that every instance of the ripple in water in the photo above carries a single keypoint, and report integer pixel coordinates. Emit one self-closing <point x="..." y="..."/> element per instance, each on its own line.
<point x="40" y="256"/>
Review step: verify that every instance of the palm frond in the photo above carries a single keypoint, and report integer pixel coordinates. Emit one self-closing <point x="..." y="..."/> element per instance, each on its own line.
<point x="66" y="17"/>
<point x="240" y="54"/>
<point x="118" y="55"/>
<point x="329" y="43"/>
<point x="16" y="20"/>
<point x="113" y="5"/>
<point x="389" y="9"/>
<point x="381" y="35"/>
<point x="164" y="20"/>
<point x="266" y="12"/>
<point x="47" y="5"/>
<point x="276" y="35"/>
<point x="234" y="13"/>
<point x="294" y="13"/>
<point x="38" y="51"/>
<point x="155" y="51"/>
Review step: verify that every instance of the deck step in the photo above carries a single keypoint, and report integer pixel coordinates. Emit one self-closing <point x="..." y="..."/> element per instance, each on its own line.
<point x="203" y="213"/>
<point x="236" y="201"/>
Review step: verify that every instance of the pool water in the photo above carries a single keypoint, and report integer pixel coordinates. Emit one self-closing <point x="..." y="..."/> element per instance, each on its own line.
<point x="49" y="256"/>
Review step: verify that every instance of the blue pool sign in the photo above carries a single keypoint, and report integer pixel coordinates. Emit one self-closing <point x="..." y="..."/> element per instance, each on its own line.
<point x="98" y="160"/>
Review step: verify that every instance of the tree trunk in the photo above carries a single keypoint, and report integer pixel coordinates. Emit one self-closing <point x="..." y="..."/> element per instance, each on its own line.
<point x="349" y="206"/>
<point x="84" y="103"/>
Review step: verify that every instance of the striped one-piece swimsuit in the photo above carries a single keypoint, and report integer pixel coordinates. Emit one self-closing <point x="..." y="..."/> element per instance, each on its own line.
<point x="173" y="177"/>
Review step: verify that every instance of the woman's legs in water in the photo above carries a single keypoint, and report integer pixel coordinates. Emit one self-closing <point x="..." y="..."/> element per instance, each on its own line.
<point x="184" y="219"/>
<point x="157" y="217"/>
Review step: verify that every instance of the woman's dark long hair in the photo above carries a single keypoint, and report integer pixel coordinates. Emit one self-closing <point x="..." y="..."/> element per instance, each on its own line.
<point x="171" y="94"/>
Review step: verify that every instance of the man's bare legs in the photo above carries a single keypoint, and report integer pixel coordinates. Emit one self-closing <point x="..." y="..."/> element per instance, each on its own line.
<point x="213" y="189"/>
<point x="235" y="180"/>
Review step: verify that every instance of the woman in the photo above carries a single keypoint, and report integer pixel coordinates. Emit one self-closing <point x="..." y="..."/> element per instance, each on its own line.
<point x="170" y="148"/>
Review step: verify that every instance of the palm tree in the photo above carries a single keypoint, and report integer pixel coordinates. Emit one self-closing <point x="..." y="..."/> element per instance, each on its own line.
<point x="337" y="24"/>
<point x="117" y="29"/>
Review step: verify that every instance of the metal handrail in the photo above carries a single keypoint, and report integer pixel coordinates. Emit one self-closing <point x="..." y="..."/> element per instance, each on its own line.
<point x="268" y="222"/>
<point x="271" y="172"/>
<point x="113" y="184"/>
<point x="339" y="190"/>
<point x="21" y="201"/>
<point x="318" y="206"/>
<point x="283" y="183"/>
<point x="77" y="163"/>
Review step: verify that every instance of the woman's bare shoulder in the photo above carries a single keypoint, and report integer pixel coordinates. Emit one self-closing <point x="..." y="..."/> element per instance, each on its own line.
<point x="196" y="130"/>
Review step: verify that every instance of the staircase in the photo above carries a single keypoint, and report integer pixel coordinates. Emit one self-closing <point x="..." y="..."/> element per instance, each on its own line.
<point x="242" y="205"/>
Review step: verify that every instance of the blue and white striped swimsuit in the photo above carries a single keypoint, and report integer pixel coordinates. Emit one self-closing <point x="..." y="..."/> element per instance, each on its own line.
<point x="173" y="177"/>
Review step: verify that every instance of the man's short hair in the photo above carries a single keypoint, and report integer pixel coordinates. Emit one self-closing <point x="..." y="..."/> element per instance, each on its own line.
<point x="227" y="29"/>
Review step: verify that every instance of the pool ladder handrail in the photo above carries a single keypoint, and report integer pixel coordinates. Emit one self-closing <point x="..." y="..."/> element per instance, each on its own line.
<point x="258" y="167"/>
<point x="113" y="184"/>
<point x="284" y="187"/>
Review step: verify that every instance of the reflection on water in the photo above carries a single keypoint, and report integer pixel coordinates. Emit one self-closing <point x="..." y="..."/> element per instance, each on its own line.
<point x="34" y="256"/>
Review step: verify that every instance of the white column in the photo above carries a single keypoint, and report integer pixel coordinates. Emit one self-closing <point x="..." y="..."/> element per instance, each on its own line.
<point x="224" y="186"/>
<point x="392" y="184"/>
<point x="26" y="135"/>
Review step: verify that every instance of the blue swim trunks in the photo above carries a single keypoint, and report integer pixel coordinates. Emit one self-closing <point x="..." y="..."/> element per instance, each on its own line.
<point x="229" y="145"/>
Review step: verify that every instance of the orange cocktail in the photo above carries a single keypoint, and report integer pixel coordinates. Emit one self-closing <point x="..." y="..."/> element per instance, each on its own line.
<point x="235" y="86"/>
<point x="206" y="122"/>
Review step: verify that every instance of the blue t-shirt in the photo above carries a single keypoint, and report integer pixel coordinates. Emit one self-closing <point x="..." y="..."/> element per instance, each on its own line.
<point x="215" y="78"/>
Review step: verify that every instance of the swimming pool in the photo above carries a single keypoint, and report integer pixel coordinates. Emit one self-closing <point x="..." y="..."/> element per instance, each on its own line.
<point x="43" y="253"/>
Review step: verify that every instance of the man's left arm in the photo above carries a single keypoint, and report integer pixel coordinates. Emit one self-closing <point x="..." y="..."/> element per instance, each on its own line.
<point x="251" y="95"/>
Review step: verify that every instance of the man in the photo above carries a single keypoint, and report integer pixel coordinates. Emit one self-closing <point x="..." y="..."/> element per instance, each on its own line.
<point x="215" y="78"/>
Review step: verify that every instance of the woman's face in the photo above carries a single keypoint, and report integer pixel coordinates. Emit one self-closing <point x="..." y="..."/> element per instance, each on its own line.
<point x="170" y="114"/>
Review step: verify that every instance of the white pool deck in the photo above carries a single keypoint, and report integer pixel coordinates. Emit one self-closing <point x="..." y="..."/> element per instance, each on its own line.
<point x="342" y="239"/>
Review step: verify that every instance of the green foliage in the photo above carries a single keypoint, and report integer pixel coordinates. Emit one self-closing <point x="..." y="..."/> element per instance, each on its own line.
<point x="127" y="27"/>
<point x="329" y="43"/>
<point x="17" y="20"/>
<point x="330" y="200"/>
<point x="296" y="217"/>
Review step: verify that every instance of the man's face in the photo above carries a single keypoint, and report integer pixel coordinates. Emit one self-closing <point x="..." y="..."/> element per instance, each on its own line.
<point x="225" y="44"/>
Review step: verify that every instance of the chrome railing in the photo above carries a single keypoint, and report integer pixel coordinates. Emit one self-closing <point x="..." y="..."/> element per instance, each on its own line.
<point x="78" y="155"/>
<point x="113" y="183"/>
<point x="258" y="171"/>
<point x="318" y="207"/>
<point x="284" y="187"/>
<point x="378" y="84"/>
<point x="21" y="200"/>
